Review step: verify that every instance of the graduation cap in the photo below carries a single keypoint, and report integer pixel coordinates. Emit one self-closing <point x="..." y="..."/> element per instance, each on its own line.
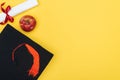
<point x="20" y="57"/>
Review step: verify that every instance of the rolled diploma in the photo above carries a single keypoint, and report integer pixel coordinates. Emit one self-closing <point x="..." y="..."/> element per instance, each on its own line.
<point x="19" y="9"/>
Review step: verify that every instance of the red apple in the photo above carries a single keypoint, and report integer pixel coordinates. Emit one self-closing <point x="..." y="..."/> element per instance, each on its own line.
<point x="27" y="23"/>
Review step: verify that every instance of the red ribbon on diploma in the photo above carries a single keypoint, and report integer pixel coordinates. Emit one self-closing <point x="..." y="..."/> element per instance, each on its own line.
<point x="8" y="17"/>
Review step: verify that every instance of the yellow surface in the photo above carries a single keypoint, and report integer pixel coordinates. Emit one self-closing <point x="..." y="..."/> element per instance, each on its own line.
<point x="83" y="35"/>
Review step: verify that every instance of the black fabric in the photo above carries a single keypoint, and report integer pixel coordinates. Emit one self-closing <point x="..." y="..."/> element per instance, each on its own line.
<point x="9" y="70"/>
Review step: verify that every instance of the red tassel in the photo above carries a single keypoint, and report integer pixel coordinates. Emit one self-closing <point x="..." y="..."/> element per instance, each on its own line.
<point x="34" y="70"/>
<point x="35" y="67"/>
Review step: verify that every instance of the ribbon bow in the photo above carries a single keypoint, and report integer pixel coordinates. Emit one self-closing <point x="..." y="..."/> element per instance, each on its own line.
<point x="8" y="17"/>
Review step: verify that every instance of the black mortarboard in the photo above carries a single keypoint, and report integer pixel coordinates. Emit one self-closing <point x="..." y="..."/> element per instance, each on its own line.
<point x="20" y="57"/>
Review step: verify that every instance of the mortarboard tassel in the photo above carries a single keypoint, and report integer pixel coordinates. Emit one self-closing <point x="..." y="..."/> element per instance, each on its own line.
<point x="36" y="58"/>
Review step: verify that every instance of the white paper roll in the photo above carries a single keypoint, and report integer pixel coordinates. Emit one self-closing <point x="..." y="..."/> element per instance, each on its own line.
<point x="19" y="9"/>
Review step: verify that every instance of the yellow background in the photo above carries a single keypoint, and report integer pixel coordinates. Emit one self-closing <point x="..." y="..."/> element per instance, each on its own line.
<point x="83" y="35"/>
